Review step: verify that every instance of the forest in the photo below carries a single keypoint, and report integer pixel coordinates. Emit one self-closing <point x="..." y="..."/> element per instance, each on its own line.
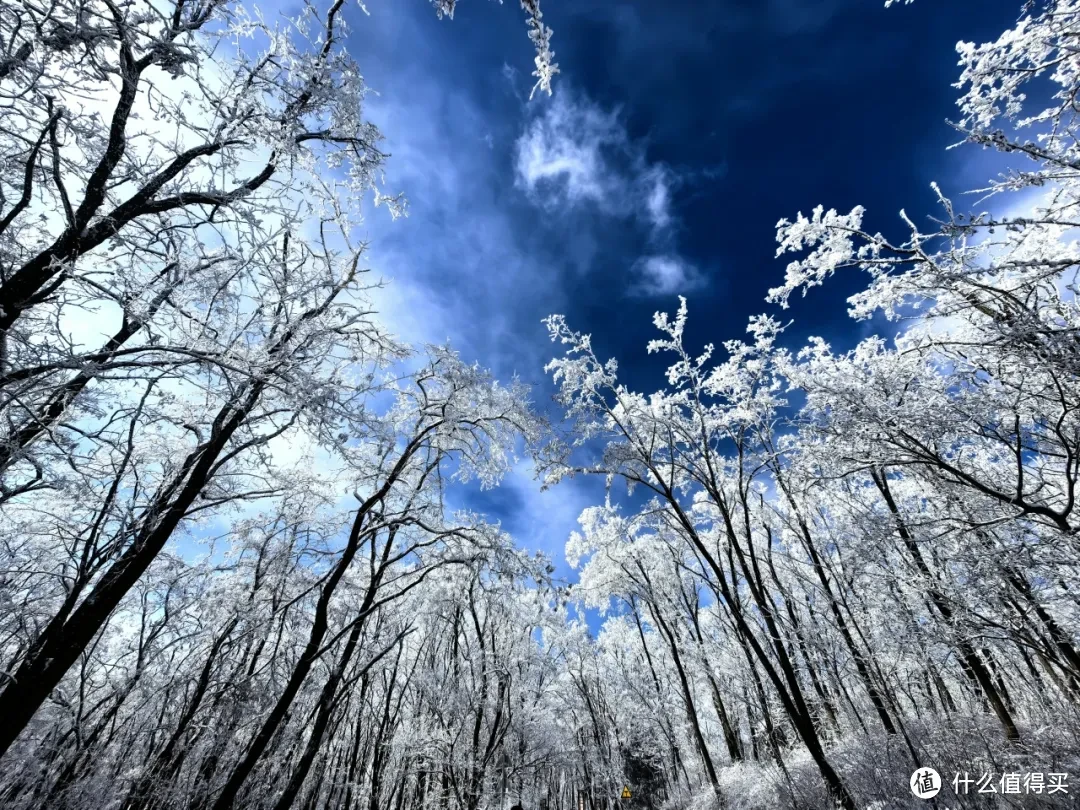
<point x="229" y="575"/>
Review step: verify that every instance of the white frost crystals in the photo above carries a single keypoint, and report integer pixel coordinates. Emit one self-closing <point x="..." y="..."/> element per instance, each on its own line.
<point x="241" y="565"/>
<point x="183" y="181"/>
<point x="810" y="533"/>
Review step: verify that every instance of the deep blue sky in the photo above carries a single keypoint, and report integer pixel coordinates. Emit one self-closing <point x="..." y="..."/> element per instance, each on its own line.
<point x="678" y="134"/>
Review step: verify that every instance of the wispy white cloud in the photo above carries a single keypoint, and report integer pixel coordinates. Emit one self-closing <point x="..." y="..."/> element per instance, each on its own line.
<point x="461" y="266"/>
<point x="565" y="156"/>
<point x="665" y="275"/>
<point x="575" y="154"/>
<point x="658" y="199"/>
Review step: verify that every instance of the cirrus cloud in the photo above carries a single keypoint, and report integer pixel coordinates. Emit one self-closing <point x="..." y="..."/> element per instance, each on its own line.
<point x="665" y="275"/>
<point x="575" y="157"/>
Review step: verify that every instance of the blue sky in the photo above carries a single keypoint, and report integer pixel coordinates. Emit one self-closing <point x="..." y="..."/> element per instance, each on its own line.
<point x="678" y="134"/>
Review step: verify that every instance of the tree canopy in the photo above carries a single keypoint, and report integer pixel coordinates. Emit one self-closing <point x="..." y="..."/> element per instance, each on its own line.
<point x="229" y="576"/>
